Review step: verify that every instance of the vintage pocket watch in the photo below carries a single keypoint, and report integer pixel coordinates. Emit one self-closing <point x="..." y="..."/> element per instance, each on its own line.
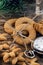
<point x="36" y="46"/>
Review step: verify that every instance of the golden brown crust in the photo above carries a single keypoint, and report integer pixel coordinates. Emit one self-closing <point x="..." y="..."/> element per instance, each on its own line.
<point x="14" y="47"/>
<point x="6" y="58"/>
<point x="12" y="54"/>
<point x="8" y="26"/>
<point x="39" y="28"/>
<point x="3" y="36"/>
<point x="32" y="61"/>
<point x="1" y="47"/>
<point x="18" y="59"/>
<point x="24" y="20"/>
<point x="4" y="46"/>
<point x="14" y="61"/>
<point x="31" y="36"/>
<point x="16" y="50"/>
<point x="22" y="63"/>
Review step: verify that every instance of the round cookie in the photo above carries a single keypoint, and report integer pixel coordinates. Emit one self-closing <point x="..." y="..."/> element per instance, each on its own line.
<point x="31" y="34"/>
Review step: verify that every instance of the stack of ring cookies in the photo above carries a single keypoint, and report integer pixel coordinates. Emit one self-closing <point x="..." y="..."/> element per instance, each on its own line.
<point x="15" y="26"/>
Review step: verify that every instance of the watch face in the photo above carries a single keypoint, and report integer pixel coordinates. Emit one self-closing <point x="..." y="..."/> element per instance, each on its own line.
<point x="38" y="44"/>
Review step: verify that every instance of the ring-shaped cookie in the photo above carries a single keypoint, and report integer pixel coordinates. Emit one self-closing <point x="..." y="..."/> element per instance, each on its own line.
<point x="24" y="20"/>
<point x="8" y="26"/>
<point x="39" y="28"/>
<point x="21" y="40"/>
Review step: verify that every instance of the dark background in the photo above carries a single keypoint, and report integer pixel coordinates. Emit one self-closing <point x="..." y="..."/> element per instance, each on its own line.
<point x="17" y="8"/>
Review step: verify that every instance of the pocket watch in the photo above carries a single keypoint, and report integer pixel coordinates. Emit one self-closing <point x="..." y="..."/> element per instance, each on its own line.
<point x="36" y="46"/>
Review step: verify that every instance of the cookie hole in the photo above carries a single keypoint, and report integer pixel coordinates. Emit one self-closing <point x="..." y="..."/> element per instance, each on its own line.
<point x="25" y="22"/>
<point x="25" y="33"/>
<point x="13" y="25"/>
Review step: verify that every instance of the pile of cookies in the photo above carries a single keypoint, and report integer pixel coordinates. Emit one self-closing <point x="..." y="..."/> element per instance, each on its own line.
<point x="15" y="55"/>
<point x="22" y="31"/>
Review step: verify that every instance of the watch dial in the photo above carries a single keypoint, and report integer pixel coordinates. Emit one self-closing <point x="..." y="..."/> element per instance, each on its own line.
<point x="38" y="44"/>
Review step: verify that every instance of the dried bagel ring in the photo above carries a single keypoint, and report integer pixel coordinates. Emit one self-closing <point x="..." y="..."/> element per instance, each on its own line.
<point x="31" y="34"/>
<point x="9" y="26"/>
<point x="24" y="20"/>
<point x="39" y="28"/>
